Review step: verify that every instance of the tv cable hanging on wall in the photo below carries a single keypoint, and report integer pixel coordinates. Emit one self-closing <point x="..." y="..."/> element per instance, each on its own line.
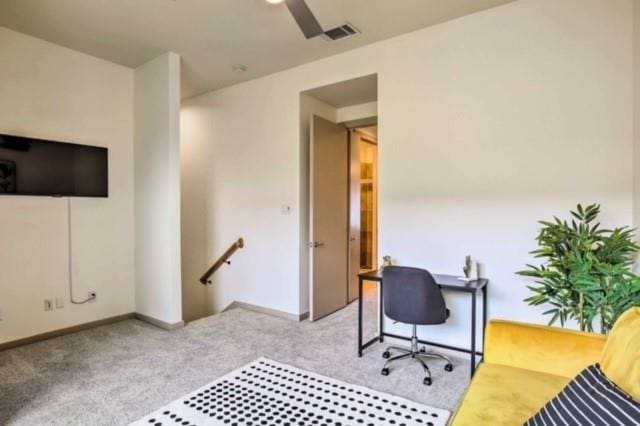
<point x="70" y="246"/>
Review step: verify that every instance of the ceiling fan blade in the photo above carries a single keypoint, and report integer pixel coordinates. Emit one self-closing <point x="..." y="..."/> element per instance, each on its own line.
<point x="304" y="17"/>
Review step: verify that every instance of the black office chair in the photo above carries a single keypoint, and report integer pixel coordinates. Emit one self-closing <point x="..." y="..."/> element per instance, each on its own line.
<point x="411" y="296"/>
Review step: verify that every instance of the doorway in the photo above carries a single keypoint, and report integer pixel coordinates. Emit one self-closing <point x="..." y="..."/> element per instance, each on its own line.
<point x="342" y="204"/>
<point x="363" y="204"/>
<point x="368" y="147"/>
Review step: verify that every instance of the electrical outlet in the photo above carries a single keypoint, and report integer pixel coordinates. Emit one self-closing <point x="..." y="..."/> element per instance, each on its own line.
<point x="93" y="296"/>
<point x="59" y="302"/>
<point x="48" y="304"/>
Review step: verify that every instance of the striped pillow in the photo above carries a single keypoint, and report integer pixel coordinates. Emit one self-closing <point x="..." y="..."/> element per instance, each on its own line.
<point x="589" y="399"/>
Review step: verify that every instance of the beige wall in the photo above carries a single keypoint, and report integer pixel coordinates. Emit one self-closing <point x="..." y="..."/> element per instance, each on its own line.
<point x="487" y="124"/>
<point x="50" y="92"/>
<point x="157" y="185"/>
<point x="357" y="112"/>
<point x="636" y="117"/>
<point x="195" y="225"/>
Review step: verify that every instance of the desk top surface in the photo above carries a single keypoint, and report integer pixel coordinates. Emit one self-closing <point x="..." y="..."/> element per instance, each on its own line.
<point x="448" y="282"/>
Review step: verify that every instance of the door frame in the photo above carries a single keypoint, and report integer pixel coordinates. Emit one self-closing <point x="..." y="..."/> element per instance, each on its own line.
<point x="305" y="255"/>
<point x="349" y="298"/>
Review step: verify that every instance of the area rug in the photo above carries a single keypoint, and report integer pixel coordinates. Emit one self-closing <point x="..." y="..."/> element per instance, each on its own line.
<point x="270" y="393"/>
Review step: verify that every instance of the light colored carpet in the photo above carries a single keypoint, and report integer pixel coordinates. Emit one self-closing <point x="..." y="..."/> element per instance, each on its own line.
<point x="115" y="374"/>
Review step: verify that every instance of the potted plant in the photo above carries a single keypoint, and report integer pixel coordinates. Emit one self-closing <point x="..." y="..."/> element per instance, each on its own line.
<point x="586" y="272"/>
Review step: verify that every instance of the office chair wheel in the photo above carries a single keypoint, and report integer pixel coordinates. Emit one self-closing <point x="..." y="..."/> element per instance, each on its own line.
<point x="386" y="354"/>
<point x="448" y="367"/>
<point x="385" y="372"/>
<point x="427" y="381"/>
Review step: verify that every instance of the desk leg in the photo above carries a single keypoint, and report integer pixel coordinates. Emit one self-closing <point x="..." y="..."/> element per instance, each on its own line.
<point x="360" y="316"/>
<point x="484" y="315"/>
<point x="473" y="333"/>
<point x="381" y="312"/>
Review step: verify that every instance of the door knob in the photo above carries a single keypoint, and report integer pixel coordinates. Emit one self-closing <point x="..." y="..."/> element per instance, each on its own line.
<point x="315" y="244"/>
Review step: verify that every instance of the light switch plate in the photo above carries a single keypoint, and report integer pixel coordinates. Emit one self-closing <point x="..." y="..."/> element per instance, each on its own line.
<point x="59" y="302"/>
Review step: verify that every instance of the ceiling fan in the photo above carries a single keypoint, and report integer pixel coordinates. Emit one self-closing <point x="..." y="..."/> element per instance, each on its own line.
<point x="310" y="26"/>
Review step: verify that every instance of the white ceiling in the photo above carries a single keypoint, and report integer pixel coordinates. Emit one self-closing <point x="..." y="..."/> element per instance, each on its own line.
<point x="346" y="93"/>
<point x="213" y="35"/>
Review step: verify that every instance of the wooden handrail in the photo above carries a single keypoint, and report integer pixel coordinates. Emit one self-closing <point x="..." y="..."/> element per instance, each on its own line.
<point x="222" y="260"/>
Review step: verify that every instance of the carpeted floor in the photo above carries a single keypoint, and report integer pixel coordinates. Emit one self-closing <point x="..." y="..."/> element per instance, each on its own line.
<point x="115" y="374"/>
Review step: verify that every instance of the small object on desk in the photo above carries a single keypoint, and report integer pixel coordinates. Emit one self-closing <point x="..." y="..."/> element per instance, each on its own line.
<point x="467" y="266"/>
<point x="479" y="270"/>
<point x="470" y="270"/>
<point x="386" y="261"/>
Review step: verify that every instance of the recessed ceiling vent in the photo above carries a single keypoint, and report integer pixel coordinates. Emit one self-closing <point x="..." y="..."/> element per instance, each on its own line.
<point x="340" y="33"/>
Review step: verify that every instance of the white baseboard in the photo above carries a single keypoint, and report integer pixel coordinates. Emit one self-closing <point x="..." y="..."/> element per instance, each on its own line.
<point x="268" y="311"/>
<point x="159" y="323"/>
<point x="63" y="331"/>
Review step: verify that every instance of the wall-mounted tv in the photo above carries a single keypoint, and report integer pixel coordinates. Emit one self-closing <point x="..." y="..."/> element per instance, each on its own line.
<point x="31" y="166"/>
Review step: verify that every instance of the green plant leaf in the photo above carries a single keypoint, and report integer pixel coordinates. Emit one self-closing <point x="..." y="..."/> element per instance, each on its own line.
<point x="585" y="272"/>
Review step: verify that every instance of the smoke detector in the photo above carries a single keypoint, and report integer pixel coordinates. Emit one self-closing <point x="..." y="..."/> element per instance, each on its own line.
<point x="340" y="33"/>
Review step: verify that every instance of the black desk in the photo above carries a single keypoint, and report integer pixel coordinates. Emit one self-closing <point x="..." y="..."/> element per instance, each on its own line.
<point x="446" y="282"/>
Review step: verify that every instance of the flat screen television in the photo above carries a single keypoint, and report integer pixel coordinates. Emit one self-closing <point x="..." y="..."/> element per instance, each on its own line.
<point x="31" y="166"/>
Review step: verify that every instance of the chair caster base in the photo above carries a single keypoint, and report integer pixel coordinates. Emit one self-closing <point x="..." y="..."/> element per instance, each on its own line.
<point x="385" y="372"/>
<point x="427" y="381"/>
<point x="448" y="368"/>
<point x="386" y="354"/>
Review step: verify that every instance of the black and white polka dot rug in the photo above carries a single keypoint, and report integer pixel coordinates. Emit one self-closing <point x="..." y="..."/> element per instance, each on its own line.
<point x="270" y="393"/>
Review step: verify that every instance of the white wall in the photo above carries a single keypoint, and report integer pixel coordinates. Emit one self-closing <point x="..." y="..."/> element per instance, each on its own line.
<point x="193" y="226"/>
<point x="199" y="226"/>
<point x="157" y="184"/>
<point x="357" y="112"/>
<point x="487" y="124"/>
<point x="55" y="93"/>
<point x="518" y="116"/>
<point x="237" y="183"/>
<point x="636" y="120"/>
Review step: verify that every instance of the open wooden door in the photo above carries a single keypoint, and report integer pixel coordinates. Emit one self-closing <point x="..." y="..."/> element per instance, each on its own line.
<point x="329" y="221"/>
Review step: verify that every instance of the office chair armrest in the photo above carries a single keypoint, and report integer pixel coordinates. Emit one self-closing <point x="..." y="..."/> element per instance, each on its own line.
<point x="540" y="348"/>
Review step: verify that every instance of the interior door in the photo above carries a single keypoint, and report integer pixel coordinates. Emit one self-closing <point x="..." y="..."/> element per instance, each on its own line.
<point x="329" y="221"/>
<point x="354" y="214"/>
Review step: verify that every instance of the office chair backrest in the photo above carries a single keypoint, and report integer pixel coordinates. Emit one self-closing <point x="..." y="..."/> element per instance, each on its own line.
<point x="411" y="296"/>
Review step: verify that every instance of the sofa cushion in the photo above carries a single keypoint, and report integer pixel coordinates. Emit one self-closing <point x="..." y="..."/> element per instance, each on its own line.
<point x="621" y="357"/>
<point x="590" y="398"/>
<point x="551" y="350"/>
<point x="502" y="395"/>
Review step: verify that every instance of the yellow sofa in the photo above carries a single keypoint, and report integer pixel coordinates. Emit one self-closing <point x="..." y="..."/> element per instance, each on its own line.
<point x="526" y="365"/>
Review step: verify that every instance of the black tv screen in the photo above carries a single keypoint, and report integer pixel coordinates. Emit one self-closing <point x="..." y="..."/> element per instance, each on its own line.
<point x="31" y="166"/>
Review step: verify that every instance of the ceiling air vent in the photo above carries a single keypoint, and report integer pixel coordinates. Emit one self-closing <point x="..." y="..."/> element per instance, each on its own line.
<point x="339" y="33"/>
